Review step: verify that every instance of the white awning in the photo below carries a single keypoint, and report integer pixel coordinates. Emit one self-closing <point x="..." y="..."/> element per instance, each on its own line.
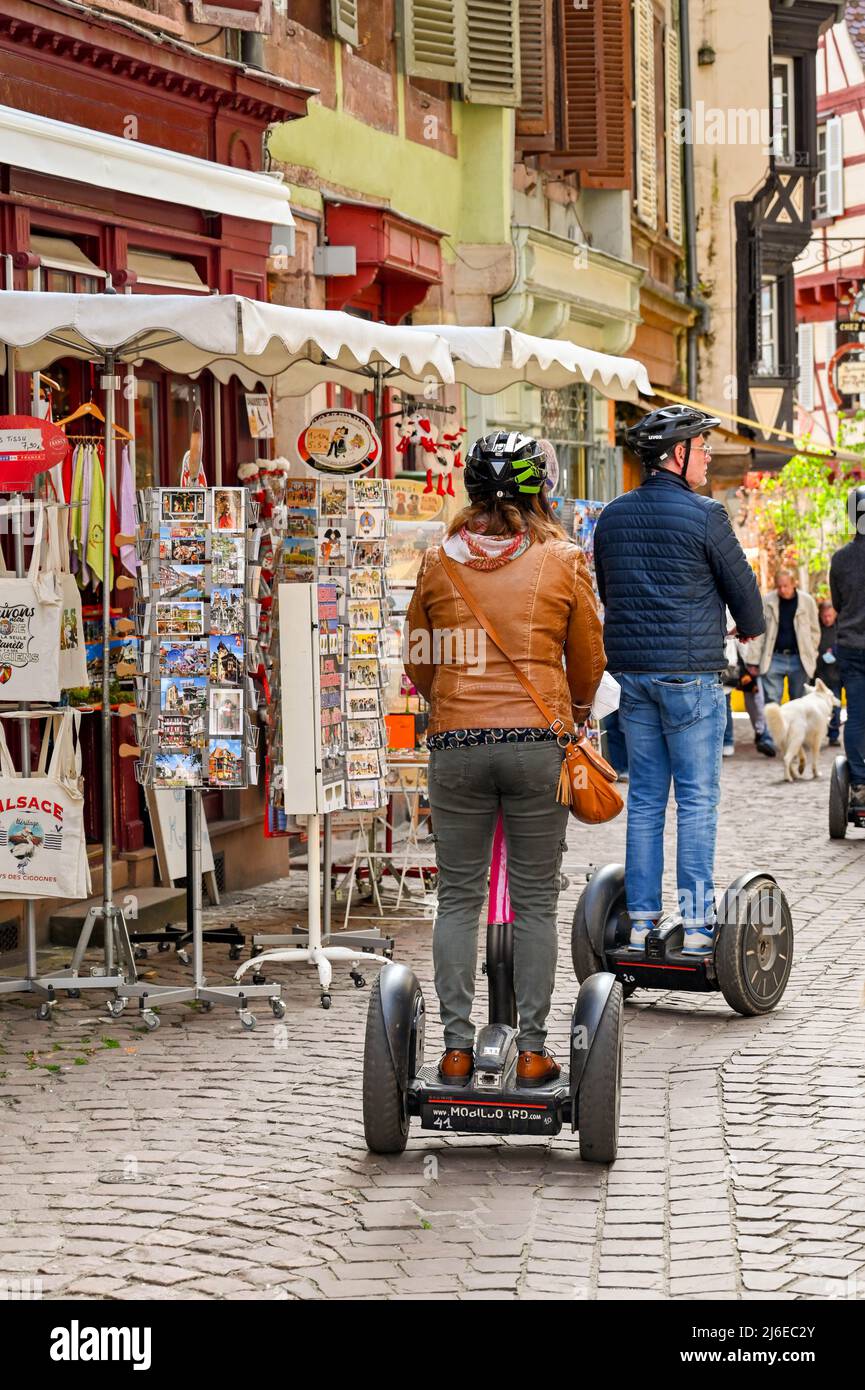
<point x="490" y="359"/>
<point x="128" y="166"/>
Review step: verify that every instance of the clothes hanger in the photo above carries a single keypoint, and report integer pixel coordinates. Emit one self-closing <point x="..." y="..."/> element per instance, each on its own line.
<point x="89" y="408"/>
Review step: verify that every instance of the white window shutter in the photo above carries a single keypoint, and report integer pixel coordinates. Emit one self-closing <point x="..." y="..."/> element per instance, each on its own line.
<point x="343" y="20"/>
<point x="434" y="39"/>
<point x="834" y="167"/>
<point x="492" y="73"/>
<point x="673" y="148"/>
<point x="806" y="366"/>
<point x="644" y="115"/>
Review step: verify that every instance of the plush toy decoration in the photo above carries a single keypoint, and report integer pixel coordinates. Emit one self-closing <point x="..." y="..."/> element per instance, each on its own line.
<point x="443" y="454"/>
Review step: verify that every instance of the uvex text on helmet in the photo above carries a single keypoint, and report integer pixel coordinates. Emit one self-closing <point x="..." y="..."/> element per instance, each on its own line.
<point x="655" y="436"/>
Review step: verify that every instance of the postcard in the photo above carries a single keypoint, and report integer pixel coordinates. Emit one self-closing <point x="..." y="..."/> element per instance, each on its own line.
<point x="363" y="733"/>
<point x="364" y="673"/>
<point x="298" y="553"/>
<point x="225" y="762"/>
<point x="364" y="613"/>
<point x="225" y="718"/>
<point x="229" y="512"/>
<point x="365" y="796"/>
<point x="183" y="658"/>
<point x="178" y="769"/>
<point x="364" y="583"/>
<point x="179" y="619"/>
<point x="362" y="702"/>
<point x="184" y="549"/>
<point x="301" y="492"/>
<point x="333" y="499"/>
<point x="363" y="644"/>
<point x="181" y="581"/>
<point x="185" y="695"/>
<point x="362" y="764"/>
<point x="302" y="521"/>
<point x="369" y="492"/>
<point x="226" y="659"/>
<point x="369" y="522"/>
<point x="368" y="554"/>
<point x="227" y="559"/>
<point x="185" y="504"/>
<point x="332" y="546"/>
<point x="227" y="610"/>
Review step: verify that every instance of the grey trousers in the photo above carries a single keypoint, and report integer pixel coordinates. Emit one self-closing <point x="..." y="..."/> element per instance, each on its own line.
<point x="467" y="787"/>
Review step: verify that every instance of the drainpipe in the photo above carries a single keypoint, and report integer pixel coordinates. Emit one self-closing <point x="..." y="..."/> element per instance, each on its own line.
<point x="690" y="212"/>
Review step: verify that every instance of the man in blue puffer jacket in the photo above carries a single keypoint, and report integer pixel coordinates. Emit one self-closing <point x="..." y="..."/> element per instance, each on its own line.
<point x="668" y="565"/>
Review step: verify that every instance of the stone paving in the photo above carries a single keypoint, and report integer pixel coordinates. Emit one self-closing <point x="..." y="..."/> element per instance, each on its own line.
<point x="203" y="1161"/>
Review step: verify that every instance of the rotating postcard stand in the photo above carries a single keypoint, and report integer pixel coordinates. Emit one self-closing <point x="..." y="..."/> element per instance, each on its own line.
<point x="117" y="951"/>
<point x="306" y="792"/>
<point x="198" y="621"/>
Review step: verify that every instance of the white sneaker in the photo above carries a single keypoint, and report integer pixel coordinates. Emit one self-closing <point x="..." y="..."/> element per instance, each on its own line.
<point x="639" y="932"/>
<point x="729" y="750"/>
<point x="700" y="940"/>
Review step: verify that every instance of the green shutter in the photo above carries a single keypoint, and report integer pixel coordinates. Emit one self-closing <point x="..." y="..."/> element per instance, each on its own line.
<point x="343" y="20"/>
<point x="434" y="39"/>
<point x="493" y="52"/>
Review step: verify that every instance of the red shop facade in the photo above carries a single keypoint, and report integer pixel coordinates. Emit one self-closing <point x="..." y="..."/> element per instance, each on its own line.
<point x="122" y="98"/>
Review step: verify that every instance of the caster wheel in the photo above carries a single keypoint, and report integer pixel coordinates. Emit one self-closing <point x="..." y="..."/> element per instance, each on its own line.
<point x="163" y="946"/>
<point x="139" y="952"/>
<point x="256" y="950"/>
<point x="389" y="953"/>
<point x="326" y="1001"/>
<point x="206" y="1005"/>
<point x="184" y="956"/>
<point x="73" y="994"/>
<point x="247" y="1019"/>
<point x="234" y="953"/>
<point x="359" y="980"/>
<point x="150" y="1020"/>
<point x="258" y="978"/>
<point x="278" y="1008"/>
<point x="43" y="1012"/>
<point x="116" y="1007"/>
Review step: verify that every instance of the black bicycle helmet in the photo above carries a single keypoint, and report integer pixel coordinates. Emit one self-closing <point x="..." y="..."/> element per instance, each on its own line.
<point x="654" y="438"/>
<point x="856" y="509"/>
<point x="505" y="464"/>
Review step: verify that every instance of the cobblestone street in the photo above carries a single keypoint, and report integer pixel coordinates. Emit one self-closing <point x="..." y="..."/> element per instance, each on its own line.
<point x="203" y="1161"/>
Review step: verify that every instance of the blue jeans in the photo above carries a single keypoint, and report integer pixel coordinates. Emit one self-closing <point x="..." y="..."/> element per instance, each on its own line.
<point x="729" y="730"/>
<point x="674" y="728"/>
<point x="773" y="679"/>
<point x="617" y="752"/>
<point x="852" y="663"/>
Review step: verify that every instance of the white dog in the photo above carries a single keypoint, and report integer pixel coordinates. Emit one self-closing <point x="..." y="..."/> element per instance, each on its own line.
<point x="801" y="725"/>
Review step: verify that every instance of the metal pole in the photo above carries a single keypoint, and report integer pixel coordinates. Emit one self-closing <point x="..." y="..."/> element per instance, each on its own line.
<point x="327" y="873"/>
<point x="217" y="433"/>
<point x="193" y="883"/>
<point x="690" y="213"/>
<point x="313" y="862"/>
<point x="108" y="386"/>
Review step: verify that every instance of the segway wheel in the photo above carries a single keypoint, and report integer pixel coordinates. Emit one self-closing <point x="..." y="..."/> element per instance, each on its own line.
<point x="600" y="1090"/>
<point x="839" y="799"/>
<point x="385" y="1115"/>
<point x="583" y="954"/>
<point x="754" y="954"/>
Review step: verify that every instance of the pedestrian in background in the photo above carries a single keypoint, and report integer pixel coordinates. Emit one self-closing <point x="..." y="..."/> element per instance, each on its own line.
<point x="792" y="639"/>
<point x="847" y="582"/>
<point x="828" y="670"/>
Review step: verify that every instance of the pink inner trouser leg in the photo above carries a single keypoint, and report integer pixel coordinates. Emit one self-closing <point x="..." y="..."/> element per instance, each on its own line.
<point x="500" y="898"/>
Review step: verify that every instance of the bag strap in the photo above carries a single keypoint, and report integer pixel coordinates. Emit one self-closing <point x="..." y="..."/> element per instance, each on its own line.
<point x="10" y="509"/>
<point x="451" y="570"/>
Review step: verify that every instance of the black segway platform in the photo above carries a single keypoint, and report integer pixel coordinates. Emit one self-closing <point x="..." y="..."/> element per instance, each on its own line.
<point x="750" y="962"/>
<point x="399" y="1086"/>
<point x="841" y="813"/>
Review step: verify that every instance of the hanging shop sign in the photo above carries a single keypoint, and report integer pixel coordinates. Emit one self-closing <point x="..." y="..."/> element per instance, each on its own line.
<point x="339" y="441"/>
<point x="28" y="446"/>
<point x="258" y="415"/>
<point x="851" y="312"/>
<point x="846" y="372"/>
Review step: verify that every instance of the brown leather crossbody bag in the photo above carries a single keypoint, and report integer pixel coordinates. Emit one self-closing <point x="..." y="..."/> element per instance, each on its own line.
<point x="586" y="781"/>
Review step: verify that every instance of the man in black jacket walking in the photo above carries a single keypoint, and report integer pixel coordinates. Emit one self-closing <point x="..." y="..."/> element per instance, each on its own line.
<point x="668" y="565"/>
<point x="847" y="582"/>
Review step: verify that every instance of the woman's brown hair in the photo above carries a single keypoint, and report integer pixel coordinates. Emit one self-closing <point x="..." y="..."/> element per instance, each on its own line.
<point x="503" y="516"/>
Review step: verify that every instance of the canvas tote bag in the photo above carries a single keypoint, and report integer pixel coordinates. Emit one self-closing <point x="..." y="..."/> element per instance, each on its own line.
<point x="73" y="655"/>
<point x="30" y="610"/>
<point x="43" y="853"/>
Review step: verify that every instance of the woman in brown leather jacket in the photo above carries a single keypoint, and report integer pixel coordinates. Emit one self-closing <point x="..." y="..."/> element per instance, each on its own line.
<point x="490" y="749"/>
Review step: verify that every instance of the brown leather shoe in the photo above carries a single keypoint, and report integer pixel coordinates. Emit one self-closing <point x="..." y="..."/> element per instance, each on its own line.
<point x="457" y="1064"/>
<point x="537" y="1068"/>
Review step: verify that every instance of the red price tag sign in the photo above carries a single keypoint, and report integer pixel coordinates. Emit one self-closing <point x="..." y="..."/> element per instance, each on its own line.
<point x="27" y="446"/>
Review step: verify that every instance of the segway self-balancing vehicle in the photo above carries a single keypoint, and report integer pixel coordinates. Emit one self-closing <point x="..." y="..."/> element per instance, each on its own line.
<point x="749" y="962"/>
<point x="398" y="1085"/>
<point x="841" y="813"/>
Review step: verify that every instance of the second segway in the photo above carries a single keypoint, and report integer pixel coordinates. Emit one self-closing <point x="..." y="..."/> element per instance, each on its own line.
<point x="749" y="962"/>
<point x="841" y="812"/>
